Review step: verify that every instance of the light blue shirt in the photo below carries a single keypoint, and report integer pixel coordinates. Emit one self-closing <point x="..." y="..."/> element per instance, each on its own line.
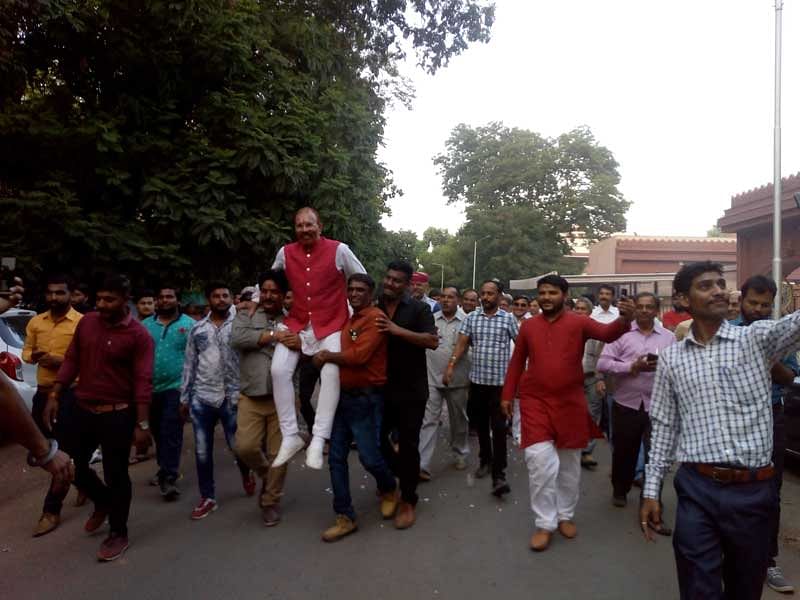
<point x="211" y="366"/>
<point x="490" y="336"/>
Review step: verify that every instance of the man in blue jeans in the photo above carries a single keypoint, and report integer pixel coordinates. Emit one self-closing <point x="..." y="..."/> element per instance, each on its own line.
<point x="210" y="392"/>
<point x="169" y="330"/>
<point x="362" y="371"/>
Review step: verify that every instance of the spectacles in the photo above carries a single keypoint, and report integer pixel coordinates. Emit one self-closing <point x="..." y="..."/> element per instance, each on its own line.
<point x="522" y="304"/>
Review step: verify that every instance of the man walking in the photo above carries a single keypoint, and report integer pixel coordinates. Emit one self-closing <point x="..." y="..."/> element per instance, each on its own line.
<point x="712" y="411"/>
<point x="409" y="324"/>
<point x="317" y="269"/>
<point x="469" y="300"/>
<point x="757" y="296"/>
<point x="47" y="337"/>
<point x="210" y="392"/>
<point x="420" y="286"/>
<point x="632" y="360"/>
<point x="605" y="311"/>
<point x="490" y="332"/>
<point x="362" y="369"/>
<point x="594" y="385"/>
<point x="255" y="335"/>
<point x="448" y="323"/>
<point x="111" y="356"/>
<point x="170" y="331"/>
<point x="546" y="374"/>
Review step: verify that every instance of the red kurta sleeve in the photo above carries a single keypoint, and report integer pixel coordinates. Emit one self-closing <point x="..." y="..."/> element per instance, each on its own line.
<point x="605" y="332"/>
<point x="516" y="365"/>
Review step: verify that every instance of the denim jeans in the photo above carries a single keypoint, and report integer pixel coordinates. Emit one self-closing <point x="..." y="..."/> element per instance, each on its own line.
<point x="167" y="427"/>
<point x="358" y="418"/>
<point x="204" y="421"/>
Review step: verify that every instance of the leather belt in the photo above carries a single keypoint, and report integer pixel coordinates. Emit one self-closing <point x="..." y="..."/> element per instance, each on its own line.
<point x="734" y="475"/>
<point x="363" y="391"/>
<point x="589" y="374"/>
<point x="99" y="409"/>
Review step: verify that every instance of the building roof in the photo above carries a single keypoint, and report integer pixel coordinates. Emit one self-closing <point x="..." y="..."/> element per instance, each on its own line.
<point x="754" y="208"/>
<point x="673" y="239"/>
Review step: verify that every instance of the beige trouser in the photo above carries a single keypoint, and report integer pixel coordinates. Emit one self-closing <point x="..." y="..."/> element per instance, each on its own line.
<point x="257" y="428"/>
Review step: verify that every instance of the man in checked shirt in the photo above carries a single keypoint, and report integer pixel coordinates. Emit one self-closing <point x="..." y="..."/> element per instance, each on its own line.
<point x="712" y="412"/>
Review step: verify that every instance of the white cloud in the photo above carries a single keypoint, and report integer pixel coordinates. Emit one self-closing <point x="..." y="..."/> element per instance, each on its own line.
<point x="681" y="92"/>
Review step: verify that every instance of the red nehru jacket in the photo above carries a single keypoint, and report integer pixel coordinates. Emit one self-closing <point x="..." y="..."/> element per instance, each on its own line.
<point x="320" y="289"/>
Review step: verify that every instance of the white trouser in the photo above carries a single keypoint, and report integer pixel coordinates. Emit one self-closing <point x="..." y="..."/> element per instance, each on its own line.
<point x="554" y="478"/>
<point x="284" y="362"/>
<point x="456" y="399"/>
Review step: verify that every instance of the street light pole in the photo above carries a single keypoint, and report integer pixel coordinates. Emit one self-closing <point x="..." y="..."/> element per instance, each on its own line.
<point x="441" y="287"/>
<point x="475" y="257"/>
<point x="777" y="267"/>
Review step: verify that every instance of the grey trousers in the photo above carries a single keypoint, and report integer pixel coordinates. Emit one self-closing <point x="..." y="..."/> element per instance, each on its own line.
<point x="456" y="399"/>
<point x="595" y="402"/>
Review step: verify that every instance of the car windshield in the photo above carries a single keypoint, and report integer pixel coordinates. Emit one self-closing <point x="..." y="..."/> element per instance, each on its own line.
<point x="12" y="329"/>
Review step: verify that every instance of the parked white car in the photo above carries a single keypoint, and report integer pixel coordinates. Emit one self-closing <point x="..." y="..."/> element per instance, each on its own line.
<point x="12" y="338"/>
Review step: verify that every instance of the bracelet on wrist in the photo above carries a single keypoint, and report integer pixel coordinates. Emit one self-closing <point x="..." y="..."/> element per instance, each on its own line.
<point x="34" y="462"/>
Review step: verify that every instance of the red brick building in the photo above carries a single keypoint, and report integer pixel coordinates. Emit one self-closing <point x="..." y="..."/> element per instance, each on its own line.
<point x="750" y="218"/>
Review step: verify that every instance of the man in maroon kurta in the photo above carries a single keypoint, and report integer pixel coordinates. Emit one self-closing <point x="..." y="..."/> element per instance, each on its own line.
<point x="555" y="420"/>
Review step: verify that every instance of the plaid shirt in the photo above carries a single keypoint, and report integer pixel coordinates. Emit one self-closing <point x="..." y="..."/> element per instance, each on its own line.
<point x="712" y="404"/>
<point x="491" y="337"/>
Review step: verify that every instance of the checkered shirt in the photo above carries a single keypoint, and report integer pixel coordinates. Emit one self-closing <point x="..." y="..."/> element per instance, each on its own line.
<point x="491" y="338"/>
<point x="712" y="404"/>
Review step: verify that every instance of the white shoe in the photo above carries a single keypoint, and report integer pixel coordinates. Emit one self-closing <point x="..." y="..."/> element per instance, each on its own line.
<point x="314" y="454"/>
<point x="290" y="446"/>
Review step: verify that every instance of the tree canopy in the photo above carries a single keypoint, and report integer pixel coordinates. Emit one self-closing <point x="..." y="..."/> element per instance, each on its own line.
<point x="178" y="138"/>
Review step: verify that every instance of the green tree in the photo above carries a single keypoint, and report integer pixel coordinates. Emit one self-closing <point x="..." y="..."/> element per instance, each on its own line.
<point x="178" y="138"/>
<point x="570" y="181"/>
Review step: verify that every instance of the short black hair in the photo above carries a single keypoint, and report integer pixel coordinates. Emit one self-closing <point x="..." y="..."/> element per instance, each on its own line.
<point x="276" y="275"/>
<point x="170" y="285"/>
<point x="605" y="286"/>
<point x="467" y="291"/>
<point x="569" y="303"/>
<point x="554" y="280"/>
<point x="435" y="292"/>
<point x="117" y="284"/>
<point x="760" y="284"/>
<point x="362" y="278"/>
<point x="684" y="277"/>
<point x="82" y="288"/>
<point x="216" y="285"/>
<point x="145" y="293"/>
<point x="403" y="266"/>
<point x="496" y="283"/>
<point x="59" y="278"/>
<point x="521" y="297"/>
<point x="648" y="294"/>
<point x="448" y="286"/>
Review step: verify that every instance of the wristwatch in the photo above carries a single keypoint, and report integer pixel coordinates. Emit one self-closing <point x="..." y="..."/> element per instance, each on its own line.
<point x="143" y="425"/>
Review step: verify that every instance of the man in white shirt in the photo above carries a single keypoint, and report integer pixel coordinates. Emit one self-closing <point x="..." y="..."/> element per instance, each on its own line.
<point x="605" y="312"/>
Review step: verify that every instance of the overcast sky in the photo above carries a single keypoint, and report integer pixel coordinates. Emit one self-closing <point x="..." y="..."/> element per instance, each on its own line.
<point x="681" y="92"/>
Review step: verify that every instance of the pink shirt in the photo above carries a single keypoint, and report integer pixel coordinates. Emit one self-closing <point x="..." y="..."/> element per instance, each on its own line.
<point x="633" y="390"/>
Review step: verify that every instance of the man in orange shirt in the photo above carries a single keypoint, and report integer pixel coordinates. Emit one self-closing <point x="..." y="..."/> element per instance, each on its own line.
<point x="362" y="372"/>
<point x="47" y="338"/>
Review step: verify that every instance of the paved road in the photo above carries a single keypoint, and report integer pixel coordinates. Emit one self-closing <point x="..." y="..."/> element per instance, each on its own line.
<point x="466" y="544"/>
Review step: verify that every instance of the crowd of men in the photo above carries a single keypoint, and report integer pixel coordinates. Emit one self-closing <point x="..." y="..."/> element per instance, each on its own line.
<point x="551" y="373"/>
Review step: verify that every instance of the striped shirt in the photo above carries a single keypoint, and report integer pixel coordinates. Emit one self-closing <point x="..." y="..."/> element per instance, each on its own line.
<point x="712" y="403"/>
<point x="490" y="336"/>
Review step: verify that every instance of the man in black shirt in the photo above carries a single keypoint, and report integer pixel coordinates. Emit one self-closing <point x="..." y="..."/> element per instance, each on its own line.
<point x="412" y="330"/>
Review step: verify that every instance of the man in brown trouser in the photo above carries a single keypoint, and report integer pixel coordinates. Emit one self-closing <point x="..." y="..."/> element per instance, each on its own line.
<point x="255" y="333"/>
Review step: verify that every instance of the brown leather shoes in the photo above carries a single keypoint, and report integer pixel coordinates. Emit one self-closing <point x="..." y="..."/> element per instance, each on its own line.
<point x="389" y="502"/>
<point x="271" y="515"/>
<point x="94" y="522"/>
<point x="540" y="540"/>
<point x="405" y="516"/>
<point x="344" y="526"/>
<point x="567" y="529"/>
<point x="47" y="523"/>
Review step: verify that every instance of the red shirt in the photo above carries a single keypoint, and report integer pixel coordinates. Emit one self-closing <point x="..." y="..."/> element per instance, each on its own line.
<point x="115" y="362"/>
<point x="363" y="351"/>
<point x="550" y="390"/>
<point x="671" y="318"/>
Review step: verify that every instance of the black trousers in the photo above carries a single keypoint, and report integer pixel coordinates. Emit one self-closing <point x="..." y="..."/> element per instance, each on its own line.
<point x="492" y="427"/>
<point x="54" y="500"/>
<point x="307" y="376"/>
<point x="631" y="430"/>
<point x="778" y="451"/>
<point x="721" y="538"/>
<point x="113" y="432"/>
<point x="403" y="411"/>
